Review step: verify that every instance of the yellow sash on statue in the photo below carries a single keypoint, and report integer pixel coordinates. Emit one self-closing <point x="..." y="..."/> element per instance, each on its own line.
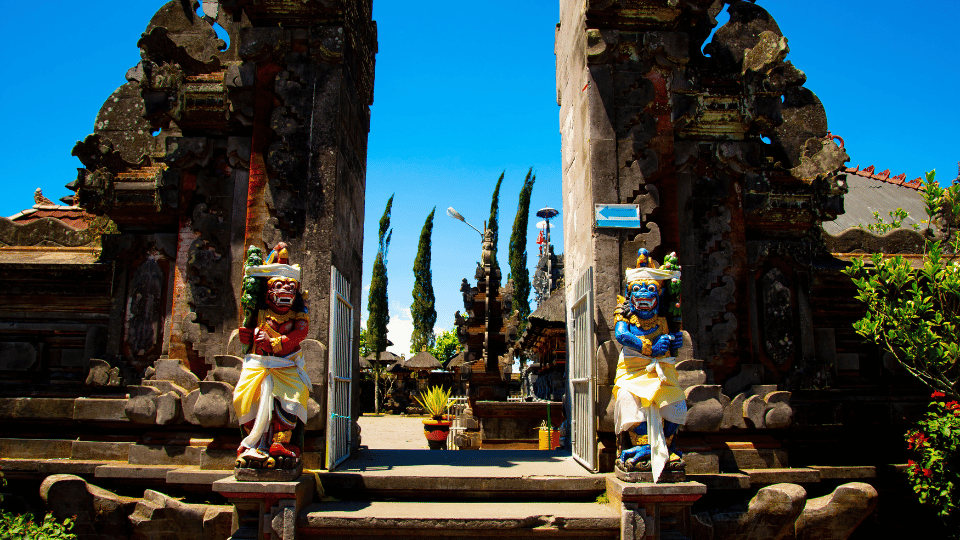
<point x="654" y="381"/>
<point x="282" y="378"/>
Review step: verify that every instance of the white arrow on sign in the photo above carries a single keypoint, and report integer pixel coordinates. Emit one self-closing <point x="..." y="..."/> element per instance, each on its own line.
<point x="624" y="216"/>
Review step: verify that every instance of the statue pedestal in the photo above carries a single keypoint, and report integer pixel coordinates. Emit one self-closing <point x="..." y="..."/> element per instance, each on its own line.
<point x="266" y="507"/>
<point x="650" y="510"/>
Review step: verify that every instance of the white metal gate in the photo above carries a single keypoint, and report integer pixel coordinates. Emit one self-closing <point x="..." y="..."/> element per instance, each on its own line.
<point x="340" y="371"/>
<point x="580" y="338"/>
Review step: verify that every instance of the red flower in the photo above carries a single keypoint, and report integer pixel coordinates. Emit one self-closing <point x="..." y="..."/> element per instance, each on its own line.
<point x="916" y="438"/>
<point x="911" y="462"/>
<point x="927" y="472"/>
<point x="952" y="405"/>
<point x="937" y="393"/>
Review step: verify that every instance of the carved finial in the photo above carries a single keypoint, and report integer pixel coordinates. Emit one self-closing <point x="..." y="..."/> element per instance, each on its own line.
<point x="38" y="198"/>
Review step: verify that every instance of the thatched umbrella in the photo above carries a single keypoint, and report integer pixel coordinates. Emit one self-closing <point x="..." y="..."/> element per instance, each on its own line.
<point x="422" y="361"/>
<point x="397" y="368"/>
<point x="457" y="361"/>
<point x="386" y="357"/>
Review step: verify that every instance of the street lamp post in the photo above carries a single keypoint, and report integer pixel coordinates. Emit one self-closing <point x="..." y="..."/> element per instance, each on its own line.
<point x="456" y="215"/>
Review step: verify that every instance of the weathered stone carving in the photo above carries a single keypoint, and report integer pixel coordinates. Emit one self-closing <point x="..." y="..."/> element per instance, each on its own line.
<point x="44" y="231"/>
<point x="783" y="511"/>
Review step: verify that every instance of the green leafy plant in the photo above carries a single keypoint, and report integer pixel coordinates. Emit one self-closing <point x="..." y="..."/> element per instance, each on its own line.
<point x="896" y="221"/>
<point x="914" y="313"/>
<point x="17" y="527"/>
<point x="378" y="307"/>
<point x="435" y="401"/>
<point x="423" y="310"/>
<point x="494" y="223"/>
<point x="518" y="253"/>
<point x="446" y="346"/>
<point x="935" y="475"/>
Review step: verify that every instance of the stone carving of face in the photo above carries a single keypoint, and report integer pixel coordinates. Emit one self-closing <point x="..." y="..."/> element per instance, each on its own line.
<point x="644" y="297"/>
<point x="281" y="292"/>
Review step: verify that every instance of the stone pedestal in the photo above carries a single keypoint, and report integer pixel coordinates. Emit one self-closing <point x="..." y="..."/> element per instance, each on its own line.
<point x="266" y="510"/>
<point x="653" y="511"/>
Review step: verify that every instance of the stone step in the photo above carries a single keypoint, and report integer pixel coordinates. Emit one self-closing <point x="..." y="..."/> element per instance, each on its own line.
<point x="414" y="475"/>
<point x="359" y="520"/>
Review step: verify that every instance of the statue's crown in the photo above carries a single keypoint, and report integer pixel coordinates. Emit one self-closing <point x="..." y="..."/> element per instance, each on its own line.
<point x="647" y="269"/>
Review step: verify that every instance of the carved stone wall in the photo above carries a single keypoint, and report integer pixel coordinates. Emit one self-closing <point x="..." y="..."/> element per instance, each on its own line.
<point x="213" y="145"/>
<point x="725" y="152"/>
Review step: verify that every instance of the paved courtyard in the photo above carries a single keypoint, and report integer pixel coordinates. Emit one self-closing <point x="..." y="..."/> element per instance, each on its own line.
<point x="392" y="432"/>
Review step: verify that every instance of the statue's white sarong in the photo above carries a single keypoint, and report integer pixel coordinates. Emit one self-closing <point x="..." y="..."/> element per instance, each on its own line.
<point x="264" y="378"/>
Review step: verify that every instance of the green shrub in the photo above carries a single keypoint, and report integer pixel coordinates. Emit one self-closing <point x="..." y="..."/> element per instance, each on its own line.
<point x="935" y="475"/>
<point x="19" y="527"/>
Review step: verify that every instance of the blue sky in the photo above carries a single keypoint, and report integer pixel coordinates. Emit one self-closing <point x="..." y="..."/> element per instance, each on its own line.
<point x="465" y="90"/>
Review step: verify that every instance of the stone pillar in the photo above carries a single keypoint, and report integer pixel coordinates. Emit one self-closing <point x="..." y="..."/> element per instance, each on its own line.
<point x="654" y="511"/>
<point x="266" y="510"/>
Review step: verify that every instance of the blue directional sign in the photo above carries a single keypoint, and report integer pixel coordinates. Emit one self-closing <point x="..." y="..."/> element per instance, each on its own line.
<point x="624" y="216"/>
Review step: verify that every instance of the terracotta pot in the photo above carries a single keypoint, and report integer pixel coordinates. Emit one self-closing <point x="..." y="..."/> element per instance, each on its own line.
<point x="436" y="432"/>
<point x="549" y="439"/>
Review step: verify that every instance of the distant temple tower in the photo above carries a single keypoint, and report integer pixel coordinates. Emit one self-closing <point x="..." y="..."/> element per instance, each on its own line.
<point x="486" y="327"/>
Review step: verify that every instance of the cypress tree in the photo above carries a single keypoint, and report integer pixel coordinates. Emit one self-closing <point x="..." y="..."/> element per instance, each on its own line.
<point x="518" y="252"/>
<point x="377" y="306"/>
<point x="494" y="218"/>
<point x="423" y="309"/>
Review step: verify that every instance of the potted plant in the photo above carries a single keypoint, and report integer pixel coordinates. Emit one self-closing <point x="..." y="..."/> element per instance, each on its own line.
<point x="436" y="428"/>
<point x="549" y="436"/>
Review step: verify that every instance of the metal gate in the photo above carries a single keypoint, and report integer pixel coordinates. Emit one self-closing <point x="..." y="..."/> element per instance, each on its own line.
<point x="583" y="424"/>
<point x="340" y="371"/>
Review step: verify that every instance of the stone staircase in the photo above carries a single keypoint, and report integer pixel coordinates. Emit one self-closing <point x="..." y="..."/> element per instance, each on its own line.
<point x="416" y="494"/>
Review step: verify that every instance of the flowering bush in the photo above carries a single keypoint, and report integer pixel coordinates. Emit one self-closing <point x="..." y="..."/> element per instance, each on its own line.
<point x="935" y="475"/>
<point x="914" y="314"/>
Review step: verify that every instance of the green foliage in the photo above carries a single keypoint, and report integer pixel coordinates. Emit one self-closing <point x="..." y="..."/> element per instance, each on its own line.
<point x="518" y="253"/>
<point x="493" y="222"/>
<point x="377" y="305"/>
<point x="935" y="476"/>
<point x="915" y="313"/>
<point x="364" y="349"/>
<point x="673" y="286"/>
<point x="251" y="291"/>
<point x="17" y="527"/>
<point x="378" y="308"/>
<point x="423" y="310"/>
<point x="252" y="287"/>
<point x="896" y="221"/>
<point x="435" y="401"/>
<point x="446" y="346"/>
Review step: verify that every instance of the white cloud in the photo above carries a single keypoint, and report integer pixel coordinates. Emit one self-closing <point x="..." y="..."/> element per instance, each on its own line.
<point x="399" y="331"/>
